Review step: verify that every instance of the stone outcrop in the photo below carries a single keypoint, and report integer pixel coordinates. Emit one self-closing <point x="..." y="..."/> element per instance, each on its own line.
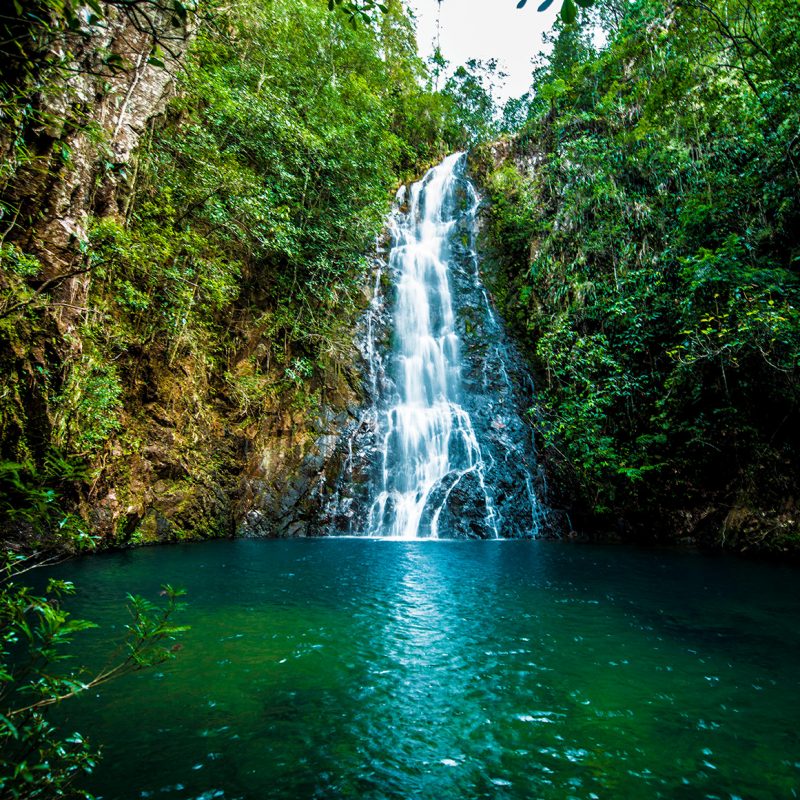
<point x="90" y="115"/>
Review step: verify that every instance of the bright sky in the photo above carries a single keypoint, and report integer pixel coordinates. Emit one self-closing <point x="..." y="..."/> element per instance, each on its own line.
<point x="486" y="29"/>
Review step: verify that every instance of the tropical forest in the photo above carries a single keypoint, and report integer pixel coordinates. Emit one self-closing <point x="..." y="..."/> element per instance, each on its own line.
<point x="382" y="423"/>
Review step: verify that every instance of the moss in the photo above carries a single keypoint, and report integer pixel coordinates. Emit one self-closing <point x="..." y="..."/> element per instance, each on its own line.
<point x="147" y="532"/>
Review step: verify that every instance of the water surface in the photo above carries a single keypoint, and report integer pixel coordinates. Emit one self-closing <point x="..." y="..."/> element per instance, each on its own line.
<point x="357" y="668"/>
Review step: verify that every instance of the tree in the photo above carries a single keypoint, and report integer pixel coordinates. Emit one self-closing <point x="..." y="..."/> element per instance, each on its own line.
<point x="470" y="88"/>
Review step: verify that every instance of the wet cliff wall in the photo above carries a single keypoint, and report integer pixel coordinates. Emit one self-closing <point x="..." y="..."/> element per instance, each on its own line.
<point x="474" y="473"/>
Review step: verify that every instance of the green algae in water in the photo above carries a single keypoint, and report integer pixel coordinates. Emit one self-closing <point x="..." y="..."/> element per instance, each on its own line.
<point x="386" y="669"/>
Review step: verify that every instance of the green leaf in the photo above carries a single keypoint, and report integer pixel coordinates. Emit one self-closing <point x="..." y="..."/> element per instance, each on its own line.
<point x="9" y="726"/>
<point x="569" y="12"/>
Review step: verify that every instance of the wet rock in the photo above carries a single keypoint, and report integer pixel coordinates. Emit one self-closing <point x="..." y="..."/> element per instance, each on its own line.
<point x="457" y="509"/>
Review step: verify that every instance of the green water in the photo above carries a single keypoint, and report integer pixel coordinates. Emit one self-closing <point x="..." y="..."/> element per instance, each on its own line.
<point x="385" y="669"/>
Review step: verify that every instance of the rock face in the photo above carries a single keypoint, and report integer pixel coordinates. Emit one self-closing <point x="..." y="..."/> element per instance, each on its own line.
<point x="500" y="496"/>
<point x="64" y="163"/>
<point x="282" y="487"/>
<point x="89" y="126"/>
<point x="91" y="92"/>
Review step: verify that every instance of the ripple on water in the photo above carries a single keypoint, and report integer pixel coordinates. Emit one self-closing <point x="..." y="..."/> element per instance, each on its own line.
<point x="435" y="672"/>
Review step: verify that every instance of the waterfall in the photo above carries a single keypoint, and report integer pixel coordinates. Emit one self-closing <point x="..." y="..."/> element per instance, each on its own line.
<point x="450" y="454"/>
<point x="428" y="438"/>
<point x="441" y="447"/>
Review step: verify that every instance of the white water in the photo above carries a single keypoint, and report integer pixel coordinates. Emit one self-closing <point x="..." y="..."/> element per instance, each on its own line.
<point x="427" y="437"/>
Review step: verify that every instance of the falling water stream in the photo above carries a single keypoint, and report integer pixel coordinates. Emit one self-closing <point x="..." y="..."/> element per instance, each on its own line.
<point x="428" y="435"/>
<point x="448" y="454"/>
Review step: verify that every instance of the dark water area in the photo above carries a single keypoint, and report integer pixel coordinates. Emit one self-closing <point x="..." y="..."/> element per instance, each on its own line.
<point x="355" y="668"/>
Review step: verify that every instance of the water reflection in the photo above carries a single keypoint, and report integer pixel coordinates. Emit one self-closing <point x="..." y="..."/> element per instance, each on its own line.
<point x="426" y="720"/>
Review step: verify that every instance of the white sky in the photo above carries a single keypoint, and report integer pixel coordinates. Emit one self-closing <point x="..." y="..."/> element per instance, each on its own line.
<point x="486" y="29"/>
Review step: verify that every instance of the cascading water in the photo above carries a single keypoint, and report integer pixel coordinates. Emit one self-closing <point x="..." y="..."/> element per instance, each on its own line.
<point x="428" y="438"/>
<point x="441" y="449"/>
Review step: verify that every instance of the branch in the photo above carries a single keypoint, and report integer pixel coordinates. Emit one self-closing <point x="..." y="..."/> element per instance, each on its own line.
<point x="129" y="665"/>
<point x="48" y="284"/>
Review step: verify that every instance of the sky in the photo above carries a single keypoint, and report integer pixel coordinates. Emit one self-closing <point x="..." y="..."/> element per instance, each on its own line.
<point x="486" y="29"/>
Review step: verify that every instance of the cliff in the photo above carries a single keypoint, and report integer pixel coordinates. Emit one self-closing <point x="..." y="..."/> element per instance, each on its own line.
<point x="183" y="268"/>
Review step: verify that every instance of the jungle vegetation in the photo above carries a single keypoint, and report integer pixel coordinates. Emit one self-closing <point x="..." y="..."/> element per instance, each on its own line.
<point x="646" y="228"/>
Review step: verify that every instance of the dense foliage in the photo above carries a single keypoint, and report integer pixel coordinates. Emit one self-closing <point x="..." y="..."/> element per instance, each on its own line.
<point x="254" y="207"/>
<point x="648" y="222"/>
<point x="233" y="252"/>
